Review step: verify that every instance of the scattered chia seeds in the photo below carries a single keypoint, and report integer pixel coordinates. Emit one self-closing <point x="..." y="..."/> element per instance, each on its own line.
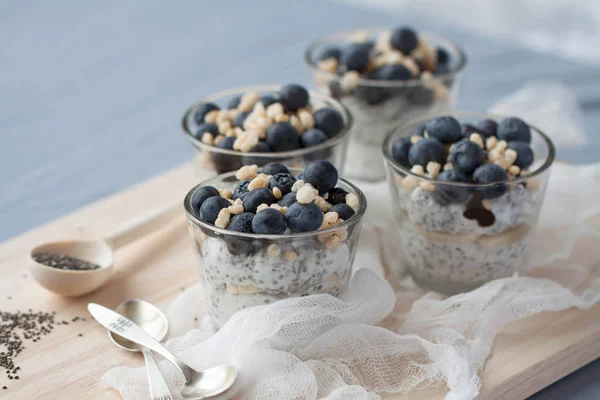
<point x="63" y="261"/>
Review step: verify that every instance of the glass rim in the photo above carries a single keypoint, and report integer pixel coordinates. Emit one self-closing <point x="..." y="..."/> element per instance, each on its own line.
<point x="549" y="160"/>
<point x="337" y="36"/>
<point x="356" y="217"/>
<point x="332" y="142"/>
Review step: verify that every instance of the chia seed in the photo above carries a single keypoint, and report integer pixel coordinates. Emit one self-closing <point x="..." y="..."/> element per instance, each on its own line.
<point x="64" y="262"/>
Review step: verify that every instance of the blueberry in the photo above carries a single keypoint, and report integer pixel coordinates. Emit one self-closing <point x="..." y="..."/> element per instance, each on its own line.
<point x="329" y="121"/>
<point x="392" y="72"/>
<point x="336" y="196"/>
<point x="445" y="129"/>
<point x="207" y="127"/>
<point x="202" y="110"/>
<point x="269" y="221"/>
<point x="283" y="181"/>
<point x="329" y="52"/>
<point x="400" y="150"/>
<point x="225" y="162"/>
<point x="355" y="57"/>
<point x="426" y="150"/>
<point x="420" y="95"/>
<point x="322" y="175"/>
<point x="313" y="137"/>
<point x="344" y="211"/>
<point x="241" y="222"/>
<point x="371" y="95"/>
<point x="442" y="56"/>
<point x="300" y="176"/>
<point x="304" y="217"/>
<point x="487" y="127"/>
<point x="404" y="40"/>
<point x="282" y="136"/>
<point x="202" y="194"/>
<point x="273" y="168"/>
<point x="491" y="173"/>
<point x="241" y="189"/>
<point x="451" y="193"/>
<point x="235" y="102"/>
<point x="261" y="147"/>
<point x="510" y="129"/>
<point x="240" y="118"/>
<point x="467" y="129"/>
<point x="256" y="197"/>
<point x="287" y="199"/>
<point x="267" y="100"/>
<point x="466" y="156"/>
<point x="209" y="210"/>
<point x="524" y="153"/>
<point x="293" y="97"/>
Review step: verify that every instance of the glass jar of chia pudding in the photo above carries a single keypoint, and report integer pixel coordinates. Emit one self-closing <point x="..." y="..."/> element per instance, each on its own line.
<point x="385" y="78"/>
<point x="309" y="244"/>
<point x="467" y="190"/>
<point x="260" y="124"/>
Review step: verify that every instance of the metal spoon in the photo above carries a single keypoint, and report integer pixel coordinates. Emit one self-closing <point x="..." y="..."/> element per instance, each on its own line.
<point x="198" y="384"/>
<point x="155" y="323"/>
<point x="99" y="251"/>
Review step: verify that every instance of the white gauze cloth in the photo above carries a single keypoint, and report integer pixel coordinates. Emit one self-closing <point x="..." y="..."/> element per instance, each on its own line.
<point x="379" y="337"/>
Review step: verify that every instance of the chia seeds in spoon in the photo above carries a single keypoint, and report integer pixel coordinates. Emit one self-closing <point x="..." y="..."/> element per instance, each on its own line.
<point x="63" y="261"/>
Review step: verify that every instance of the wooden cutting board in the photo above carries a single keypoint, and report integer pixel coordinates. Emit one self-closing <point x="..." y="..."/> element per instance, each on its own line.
<point x="527" y="356"/>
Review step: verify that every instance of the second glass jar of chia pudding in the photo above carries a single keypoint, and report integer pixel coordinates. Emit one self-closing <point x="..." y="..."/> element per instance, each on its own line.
<point x="467" y="190"/>
<point x="386" y="78"/>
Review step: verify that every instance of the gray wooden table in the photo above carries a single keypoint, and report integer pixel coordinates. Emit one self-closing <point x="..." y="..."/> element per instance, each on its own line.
<point x="91" y="93"/>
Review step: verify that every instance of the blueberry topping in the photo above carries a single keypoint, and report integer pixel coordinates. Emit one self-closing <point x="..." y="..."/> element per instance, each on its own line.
<point x="287" y="199"/>
<point x="329" y="52"/>
<point x="426" y="150"/>
<point x="329" y="121"/>
<point x="442" y="56"/>
<point x="293" y="97"/>
<point x="322" y="175"/>
<point x="510" y="129"/>
<point x="392" y="72"/>
<point x="445" y="129"/>
<point x="267" y="100"/>
<point x="304" y="217"/>
<point x="256" y="197"/>
<point x="241" y="189"/>
<point x="261" y="147"/>
<point x="273" y="168"/>
<point x="283" y="181"/>
<point x="226" y="143"/>
<point x="524" y="153"/>
<point x="282" y="136"/>
<point x="240" y="118"/>
<point x="336" y="196"/>
<point x="313" y="137"/>
<point x="344" y="211"/>
<point x="209" y="210"/>
<point x="207" y="127"/>
<point x="404" y="40"/>
<point x="466" y="156"/>
<point x="491" y="173"/>
<point x="269" y="221"/>
<point x="467" y="129"/>
<point x="487" y="127"/>
<point x="202" y="110"/>
<point x="400" y="150"/>
<point x="202" y="194"/>
<point x="235" y="102"/>
<point x="355" y="57"/>
<point x="241" y="222"/>
<point x="451" y="193"/>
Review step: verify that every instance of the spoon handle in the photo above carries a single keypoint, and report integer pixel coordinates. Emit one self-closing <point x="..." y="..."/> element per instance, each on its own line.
<point x="158" y="387"/>
<point x="120" y="325"/>
<point x="144" y="224"/>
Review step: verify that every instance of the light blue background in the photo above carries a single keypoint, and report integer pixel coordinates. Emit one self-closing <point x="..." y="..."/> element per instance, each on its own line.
<point x="91" y="93"/>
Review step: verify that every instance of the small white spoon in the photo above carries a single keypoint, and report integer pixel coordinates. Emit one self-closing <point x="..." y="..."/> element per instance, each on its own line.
<point x="101" y="251"/>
